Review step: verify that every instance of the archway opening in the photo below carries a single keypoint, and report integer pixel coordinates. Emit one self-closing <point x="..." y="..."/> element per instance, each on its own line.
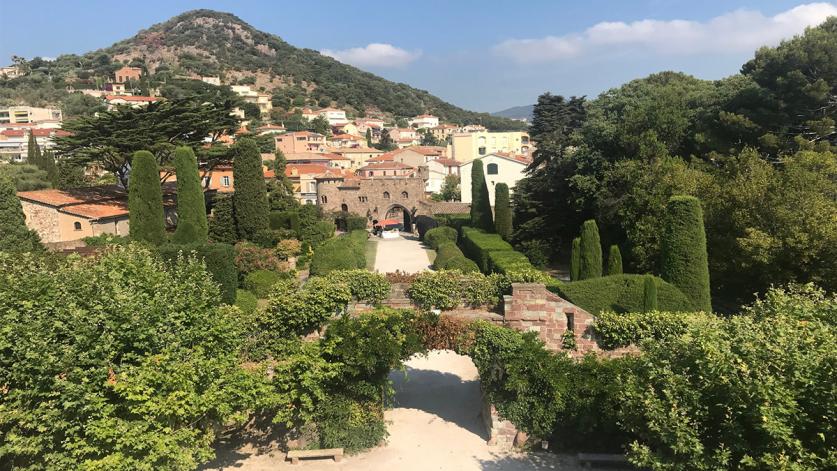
<point x="403" y="214"/>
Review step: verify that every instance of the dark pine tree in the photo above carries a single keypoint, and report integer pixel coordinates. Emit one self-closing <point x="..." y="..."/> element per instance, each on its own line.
<point x="145" y="200"/>
<point x="14" y="235"/>
<point x="575" y="260"/>
<point x="33" y="151"/>
<point x="649" y="294"/>
<point x="368" y="137"/>
<point x="502" y="211"/>
<point x="250" y="199"/>
<point x="683" y="250"/>
<point x="591" y="251"/>
<point x="191" y="207"/>
<point x="614" y="261"/>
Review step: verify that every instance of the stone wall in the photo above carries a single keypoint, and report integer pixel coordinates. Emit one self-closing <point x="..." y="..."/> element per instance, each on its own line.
<point x="43" y="219"/>
<point x="501" y="432"/>
<point x="365" y="197"/>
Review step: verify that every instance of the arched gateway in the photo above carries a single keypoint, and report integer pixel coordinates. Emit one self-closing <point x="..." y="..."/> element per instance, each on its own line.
<point x="375" y="198"/>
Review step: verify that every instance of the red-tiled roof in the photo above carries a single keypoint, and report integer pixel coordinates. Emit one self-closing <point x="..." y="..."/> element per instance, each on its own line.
<point x="130" y="98"/>
<point x="356" y="150"/>
<point x="346" y="136"/>
<point x="385" y="166"/>
<point x="447" y="162"/>
<point x="92" y="202"/>
<point x="304" y="169"/>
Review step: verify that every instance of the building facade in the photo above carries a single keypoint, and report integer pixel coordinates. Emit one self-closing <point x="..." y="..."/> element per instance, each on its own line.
<point x="374" y="198"/>
<point x="498" y="168"/>
<point x="28" y="114"/>
<point x="469" y="146"/>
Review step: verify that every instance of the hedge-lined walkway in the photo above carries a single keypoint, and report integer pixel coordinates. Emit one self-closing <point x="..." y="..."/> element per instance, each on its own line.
<point x="405" y="253"/>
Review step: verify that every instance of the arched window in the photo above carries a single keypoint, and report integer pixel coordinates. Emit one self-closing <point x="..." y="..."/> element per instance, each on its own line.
<point x="491" y="169"/>
<point x="405" y="195"/>
<point x="324" y="199"/>
<point x="344" y="207"/>
<point x="386" y="195"/>
<point x="77" y="226"/>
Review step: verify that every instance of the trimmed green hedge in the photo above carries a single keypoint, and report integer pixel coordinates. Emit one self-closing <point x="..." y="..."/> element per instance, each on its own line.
<point x="261" y="282"/>
<point x="508" y="261"/>
<point x="341" y="253"/>
<point x="445" y="253"/>
<point x="356" y="223"/>
<point x="219" y="260"/>
<point x="621" y="293"/>
<point x="628" y="328"/>
<point x="456" y="221"/>
<point x="461" y="263"/>
<point x="476" y="244"/>
<point x="436" y="237"/>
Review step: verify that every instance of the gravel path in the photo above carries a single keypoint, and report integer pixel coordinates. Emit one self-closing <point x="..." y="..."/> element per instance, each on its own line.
<point x="405" y="253"/>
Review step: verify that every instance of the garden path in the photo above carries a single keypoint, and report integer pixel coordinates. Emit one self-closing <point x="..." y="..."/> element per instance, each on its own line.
<point x="406" y="253"/>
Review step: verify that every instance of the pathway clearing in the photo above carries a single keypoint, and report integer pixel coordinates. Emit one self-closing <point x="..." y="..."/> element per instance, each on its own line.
<point x="406" y="253"/>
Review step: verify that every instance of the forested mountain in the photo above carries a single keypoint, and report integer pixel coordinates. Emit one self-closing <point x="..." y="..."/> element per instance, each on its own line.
<point x="516" y="112"/>
<point x="209" y="43"/>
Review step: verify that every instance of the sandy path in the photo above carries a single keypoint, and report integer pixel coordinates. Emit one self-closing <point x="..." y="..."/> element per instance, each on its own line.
<point x="405" y="253"/>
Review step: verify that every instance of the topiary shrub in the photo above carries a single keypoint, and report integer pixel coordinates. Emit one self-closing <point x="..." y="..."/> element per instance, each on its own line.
<point x="461" y="263"/>
<point x="222" y="223"/>
<point x="365" y="286"/>
<point x="575" y="260"/>
<point x="456" y="221"/>
<point x="424" y="224"/>
<point x="620" y="293"/>
<point x="356" y="223"/>
<point x="476" y="244"/>
<point x="191" y="206"/>
<point x="683" y="251"/>
<point x="438" y="236"/>
<point x="246" y="301"/>
<point x="591" y="251"/>
<point x="506" y="261"/>
<point x="444" y="253"/>
<point x="250" y="198"/>
<point x="614" y="261"/>
<point x="341" y="253"/>
<point x="481" y="216"/>
<point x="260" y="282"/>
<point x="502" y="211"/>
<point x="218" y="258"/>
<point x="145" y="200"/>
<point x="649" y="294"/>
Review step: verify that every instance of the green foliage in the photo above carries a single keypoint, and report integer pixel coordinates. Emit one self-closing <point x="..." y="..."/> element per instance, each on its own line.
<point x="614" y="261"/>
<point x="620" y="293"/>
<point x="424" y="224"/>
<point x="261" y="282"/>
<point x="104" y="240"/>
<point x="439" y="236"/>
<point x="461" y="263"/>
<point x="250" y="257"/>
<point x="222" y="223"/>
<point x="684" y="259"/>
<point x="191" y="207"/>
<point x="537" y="251"/>
<point x="591" y="251"/>
<point x="351" y="424"/>
<point x="218" y="258"/>
<point x="445" y="253"/>
<point x="508" y="261"/>
<point x="502" y="211"/>
<point x="341" y="253"/>
<point x="575" y="260"/>
<point x="293" y="311"/>
<point x="802" y="302"/>
<point x="355" y="223"/>
<point x="144" y="351"/>
<point x="14" y="235"/>
<point x="649" y="294"/>
<point x="481" y="216"/>
<point x="288" y="248"/>
<point x="145" y="200"/>
<point x="250" y="199"/>
<point x="25" y="177"/>
<point x="477" y="244"/>
<point x="616" y="330"/>
<point x="450" y="190"/>
<point x="246" y="301"/>
<point x="365" y="286"/>
<point x="456" y="221"/>
<point x="446" y="289"/>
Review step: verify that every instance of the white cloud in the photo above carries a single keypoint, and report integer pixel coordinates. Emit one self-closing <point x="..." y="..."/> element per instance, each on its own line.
<point x="736" y="31"/>
<point x="374" y="55"/>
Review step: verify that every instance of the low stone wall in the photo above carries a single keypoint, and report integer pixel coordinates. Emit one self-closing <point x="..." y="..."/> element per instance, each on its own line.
<point x="501" y="432"/>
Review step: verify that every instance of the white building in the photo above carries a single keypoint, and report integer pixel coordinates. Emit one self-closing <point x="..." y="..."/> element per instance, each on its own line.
<point x="424" y="121"/>
<point x="498" y="168"/>
<point x="28" y="114"/>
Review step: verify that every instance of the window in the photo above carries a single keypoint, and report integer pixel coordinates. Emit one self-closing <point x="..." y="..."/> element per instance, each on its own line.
<point x="77" y="226"/>
<point x="405" y="195"/>
<point x="386" y="195"/>
<point x="524" y="139"/>
<point x="570" y="322"/>
<point x="324" y="199"/>
<point x="482" y="150"/>
<point x="205" y="182"/>
<point x="491" y="169"/>
<point x="362" y="199"/>
<point x="344" y="207"/>
<point x="225" y="181"/>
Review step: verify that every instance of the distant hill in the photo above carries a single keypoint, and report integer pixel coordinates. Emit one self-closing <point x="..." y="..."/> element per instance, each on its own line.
<point x="516" y="112"/>
<point x="209" y="43"/>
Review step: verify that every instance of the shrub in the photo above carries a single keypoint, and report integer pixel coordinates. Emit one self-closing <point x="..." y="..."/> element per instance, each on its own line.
<point x="446" y="290"/>
<point x="480" y="290"/>
<point x="14" y="235"/>
<point x="461" y="263"/>
<point x="424" y="224"/>
<point x="222" y="223"/>
<point x="476" y="244"/>
<point x="284" y="220"/>
<point x="145" y="200"/>
<point x="105" y="240"/>
<point x="684" y="259"/>
<point x="502" y="211"/>
<point x="341" y="253"/>
<point x="355" y="223"/>
<point x="250" y="257"/>
<point x="350" y="424"/>
<point x="649" y="294"/>
<point x="288" y="248"/>
<point x="505" y="261"/>
<point x="191" y="206"/>
<point x="620" y="293"/>
<point x="219" y="260"/>
<point x="456" y="221"/>
<point x="246" y="301"/>
<point x="317" y="233"/>
<point x="575" y="260"/>
<point x="616" y="330"/>
<point x="591" y="251"/>
<point x="481" y="216"/>
<point x="537" y="251"/>
<point x="444" y="253"/>
<point x="266" y="238"/>
<point x="250" y="198"/>
<point x="614" y="261"/>
<point x="438" y="236"/>
<point x="294" y="311"/>
<point x="260" y="282"/>
<point x="440" y="332"/>
<point x="365" y="286"/>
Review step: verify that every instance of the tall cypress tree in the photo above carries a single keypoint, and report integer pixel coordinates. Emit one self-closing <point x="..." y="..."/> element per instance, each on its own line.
<point x="33" y="151"/>
<point x="191" y="207"/>
<point x="614" y="261"/>
<point x="502" y="211"/>
<point x="591" y="251"/>
<point x="250" y="199"/>
<point x="222" y="223"/>
<point x="480" y="203"/>
<point x="368" y="137"/>
<point x="575" y="259"/>
<point x="145" y="200"/>
<point x="683" y="254"/>
<point x="14" y="235"/>
<point x="649" y="294"/>
<point x="51" y="167"/>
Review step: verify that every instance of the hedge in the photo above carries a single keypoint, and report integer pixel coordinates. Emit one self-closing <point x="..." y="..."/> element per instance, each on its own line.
<point x="356" y="223"/>
<point x="445" y="253"/>
<point x="219" y="260"/>
<point x="507" y="261"/>
<point x="436" y="237"/>
<point x="683" y="250"/>
<point x="284" y="220"/>
<point x="346" y="252"/>
<point x="365" y="286"/>
<point x="260" y="282"/>
<point x="456" y="221"/>
<point x="616" y="330"/>
<point x="476" y="244"/>
<point x="246" y="301"/>
<point x="461" y="263"/>
<point x="620" y="293"/>
<point x="424" y="224"/>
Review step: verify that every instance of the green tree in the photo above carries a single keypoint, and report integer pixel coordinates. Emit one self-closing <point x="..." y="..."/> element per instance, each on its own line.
<point x="449" y="191"/>
<point x="145" y="200"/>
<point x="481" y="216"/>
<point x="25" y="177"/>
<point x="33" y="151"/>
<point x="50" y="167"/>
<point x="222" y="223"/>
<point x="369" y="137"/>
<point x="591" y="251"/>
<point x="280" y="189"/>
<point x="502" y="216"/>
<point x="320" y="125"/>
<point x="191" y="206"/>
<point x="250" y="199"/>
<point x="70" y="175"/>
<point x="575" y="260"/>
<point x="614" y="261"/>
<point x="386" y="143"/>
<point x="649" y="294"/>
<point x="684" y="259"/>
<point x="14" y="235"/>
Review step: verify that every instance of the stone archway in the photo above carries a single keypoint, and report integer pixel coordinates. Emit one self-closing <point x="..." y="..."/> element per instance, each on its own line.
<point x="398" y="211"/>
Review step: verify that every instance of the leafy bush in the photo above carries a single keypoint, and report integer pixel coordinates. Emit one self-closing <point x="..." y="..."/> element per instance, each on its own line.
<point x="266" y="238"/>
<point x="284" y="220"/>
<point x="356" y="223"/>
<point x="436" y="237"/>
<point x="317" y="233"/>
<point x="424" y="224"/>
<point x="803" y="302"/>
<point x="440" y="332"/>
<point x="350" y="424"/>
<point x="476" y="244"/>
<point x="620" y="293"/>
<point x="219" y="260"/>
<point x="288" y="248"/>
<point x="505" y="261"/>
<point x="446" y="289"/>
<point x="365" y="286"/>
<point x="620" y="330"/>
<point x="456" y="221"/>
<point x="444" y="253"/>
<point x="250" y="257"/>
<point x="261" y="282"/>
<point x="341" y="253"/>
<point x="683" y="250"/>
<point x="537" y="251"/>
<point x="461" y="263"/>
<point x="293" y="311"/>
<point x="246" y="301"/>
<point x="104" y="240"/>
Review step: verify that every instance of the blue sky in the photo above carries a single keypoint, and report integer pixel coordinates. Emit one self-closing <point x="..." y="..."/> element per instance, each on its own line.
<point x="482" y="55"/>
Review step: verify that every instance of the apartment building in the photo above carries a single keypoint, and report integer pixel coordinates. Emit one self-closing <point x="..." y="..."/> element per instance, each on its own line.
<point x="471" y="145"/>
<point x="28" y="114"/>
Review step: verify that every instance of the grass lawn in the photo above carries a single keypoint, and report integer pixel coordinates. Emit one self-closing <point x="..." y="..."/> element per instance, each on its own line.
<point x="371" y="253"/>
